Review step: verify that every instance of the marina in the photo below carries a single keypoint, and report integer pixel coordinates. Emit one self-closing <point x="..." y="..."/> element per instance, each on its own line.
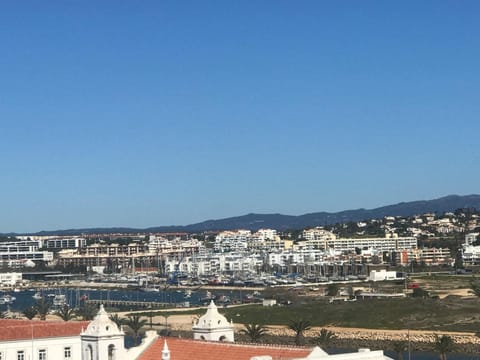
<point x="125" y="299"/>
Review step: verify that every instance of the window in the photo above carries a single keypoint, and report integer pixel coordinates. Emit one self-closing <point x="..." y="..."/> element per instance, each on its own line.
<point x="111" y="352"/>
<point x="42" y="354"/>
<point x="1" y="355"/>
<point x="89" y="355"/>
<point x="20" y="355"/>
<point x="67" y="353"/>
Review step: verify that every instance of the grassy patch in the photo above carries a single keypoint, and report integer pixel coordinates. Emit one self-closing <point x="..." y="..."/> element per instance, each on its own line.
<point x="450" y="314"/>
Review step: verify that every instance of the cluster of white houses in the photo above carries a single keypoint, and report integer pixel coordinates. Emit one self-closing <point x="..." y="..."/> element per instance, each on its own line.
<point x="102" y="339"/>
<point x="231" y="251"/>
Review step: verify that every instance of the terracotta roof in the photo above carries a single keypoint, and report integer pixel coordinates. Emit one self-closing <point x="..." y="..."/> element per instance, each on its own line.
<point x="186" y="349"/>
<point x="26" y="329"/>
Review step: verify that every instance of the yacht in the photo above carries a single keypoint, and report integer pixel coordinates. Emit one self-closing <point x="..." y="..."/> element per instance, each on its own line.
<point x="59" y="300"/>
<point x="7" y="299"/>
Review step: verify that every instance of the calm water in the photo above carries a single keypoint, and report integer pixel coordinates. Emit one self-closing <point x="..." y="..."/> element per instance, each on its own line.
<point x="73" y="296"/>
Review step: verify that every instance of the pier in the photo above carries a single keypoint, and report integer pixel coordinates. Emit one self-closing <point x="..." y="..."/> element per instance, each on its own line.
<point x="126" y="303"/>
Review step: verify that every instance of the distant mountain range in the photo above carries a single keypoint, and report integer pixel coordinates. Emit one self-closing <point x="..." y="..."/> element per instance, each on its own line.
<point x="286" y="222"/>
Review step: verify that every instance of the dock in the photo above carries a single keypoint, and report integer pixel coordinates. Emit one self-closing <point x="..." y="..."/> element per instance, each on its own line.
<point x="126" y="303"/>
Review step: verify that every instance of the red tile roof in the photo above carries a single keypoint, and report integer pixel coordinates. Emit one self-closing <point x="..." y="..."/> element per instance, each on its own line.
<point x="26" y="329"/>
<point x="186" y="349"/>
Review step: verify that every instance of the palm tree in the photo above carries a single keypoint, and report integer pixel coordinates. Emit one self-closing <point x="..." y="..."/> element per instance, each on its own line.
<point x="43" y="308"/>
<point x="66" y="313"/>
<point x="150" y="319"/>
<point x="443" y="345"/>
<point x="30" y="312"/>
<point x="135" y="324"/>
<point x="87" y="311"/>
<point x="399" y="347"/>
<point x="117" y="320"/>
<point x="299" y="326"/>
<point x="325" y="337"/>
<point x="254" y="331"/>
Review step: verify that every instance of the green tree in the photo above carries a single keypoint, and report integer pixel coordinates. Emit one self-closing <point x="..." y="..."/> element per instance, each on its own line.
<point x="332" y="290"/>
<point x="135" y="323"/>
<point x="43" y="308"/>
<point x="255" y="332"/>
<point x="399" y="347"/>
<point x="87" y="311"/>
<point x="420" y="293"/>
<point x="299" y="327"/>
<point x="443" y="345"/>
<point x="117" y="320"/>
<point x="66" y="313"/>
<point x="150" y="319"/>
<point x="458" y="259"/>
<point x="325" y="337"/>
<point x="30" y="312"/>
<point x="475" y="286"/>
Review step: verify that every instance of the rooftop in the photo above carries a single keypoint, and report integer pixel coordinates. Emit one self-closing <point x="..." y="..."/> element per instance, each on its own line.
<point x="34" y="329"/>
<point x="187" y="349"/>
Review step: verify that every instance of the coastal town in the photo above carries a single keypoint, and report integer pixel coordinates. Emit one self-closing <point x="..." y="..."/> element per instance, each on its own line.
<point x="352" y="262"/>
<point x="264" y="257"/>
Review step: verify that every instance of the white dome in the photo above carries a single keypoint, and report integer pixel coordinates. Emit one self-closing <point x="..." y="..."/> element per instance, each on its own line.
<point x="102" y="325"/>
<point x="212" y="319"/>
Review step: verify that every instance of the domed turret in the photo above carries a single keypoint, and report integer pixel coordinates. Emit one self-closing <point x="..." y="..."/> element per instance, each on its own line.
<point x="213" y="326"/>
<point x="102" y="325"/>
<point x="102" y="339"/>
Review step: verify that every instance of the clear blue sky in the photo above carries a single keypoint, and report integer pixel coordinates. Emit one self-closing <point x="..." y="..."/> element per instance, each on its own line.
<point x="143" y="113"/>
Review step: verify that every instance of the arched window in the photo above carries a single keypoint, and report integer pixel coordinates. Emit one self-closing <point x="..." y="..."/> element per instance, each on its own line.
<point x="111" y="352"/>
<point x="89" y="352"/>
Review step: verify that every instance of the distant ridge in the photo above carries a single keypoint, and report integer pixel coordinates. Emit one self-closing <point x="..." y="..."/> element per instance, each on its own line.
<point x="285" y="222"/>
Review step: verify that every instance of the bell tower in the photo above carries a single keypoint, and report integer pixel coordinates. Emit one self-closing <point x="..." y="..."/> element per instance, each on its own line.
<point x="213" y="326"/>
<point x="102" y="340"/>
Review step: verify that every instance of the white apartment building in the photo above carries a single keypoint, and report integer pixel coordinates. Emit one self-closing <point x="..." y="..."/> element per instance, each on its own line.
<point x="244" y="240"/>
<point x="177" y="246"/>
<point x="285" y="258"/>
<point x="227" y="241"/>
<point x="434" y="256"/>
<point x="470" y="238"/>
<point x="216" y="263"/>
<point x="65" y="243"/>
<point x="264" y="234"/>
<point x="24" y="250"/>
<point x="255" y="244"/>
<point x="10" y="279"/>
<point x="317" y="234"/>
<point x="388" y="243"/>
<point x="470" y="252"/>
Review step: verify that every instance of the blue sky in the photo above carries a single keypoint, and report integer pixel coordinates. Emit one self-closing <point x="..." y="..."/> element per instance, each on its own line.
<point x="122" y="113"/>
